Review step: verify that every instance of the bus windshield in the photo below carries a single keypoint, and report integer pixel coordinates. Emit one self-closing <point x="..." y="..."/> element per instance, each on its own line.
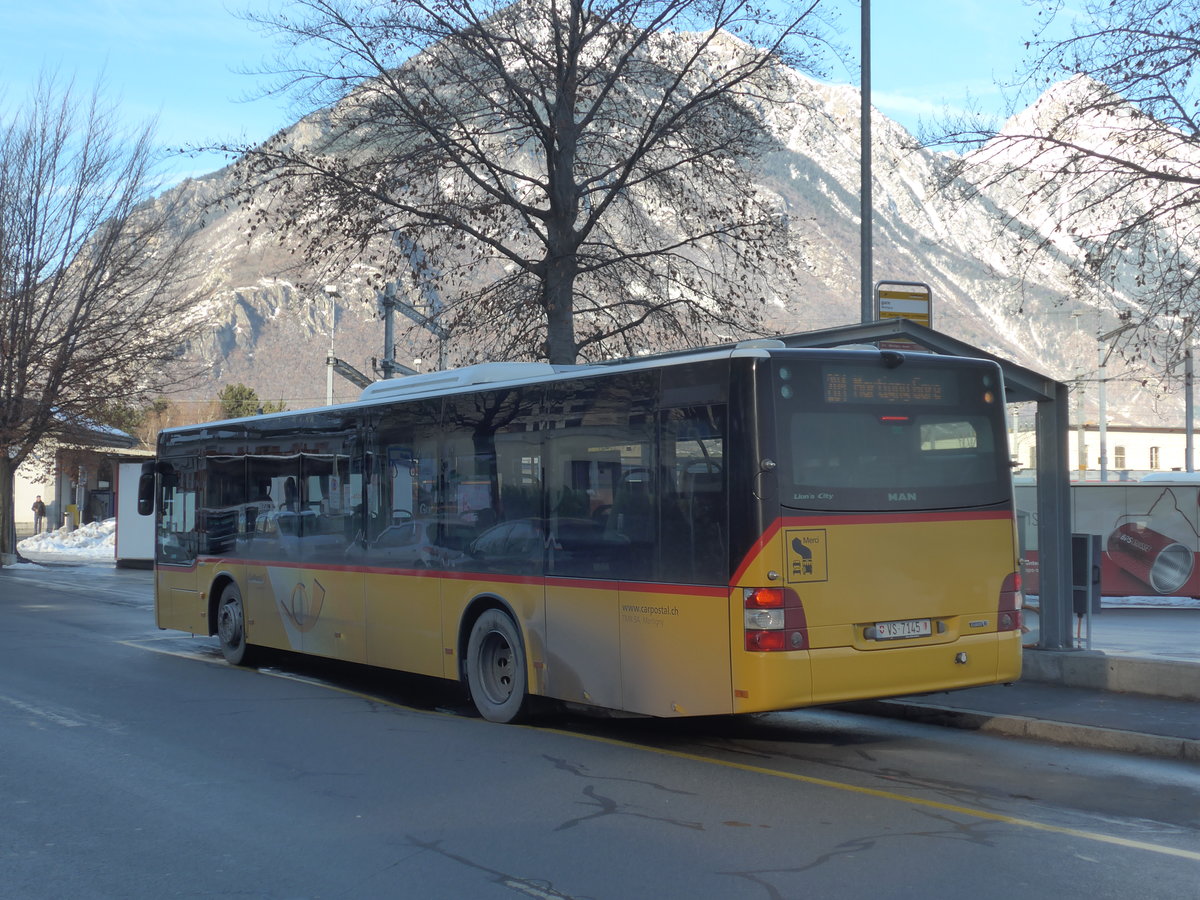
<point x="858" y="436"/>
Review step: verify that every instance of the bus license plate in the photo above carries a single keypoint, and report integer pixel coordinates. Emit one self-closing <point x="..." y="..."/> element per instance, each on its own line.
<point x="908" y="628"/>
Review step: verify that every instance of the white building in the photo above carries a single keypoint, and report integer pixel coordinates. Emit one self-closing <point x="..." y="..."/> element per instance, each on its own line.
<point x="82" y="481"/>
<point x="1132" y="451"/>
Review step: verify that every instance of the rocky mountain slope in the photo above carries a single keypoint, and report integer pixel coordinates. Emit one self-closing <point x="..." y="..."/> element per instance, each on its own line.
<point x="273" y="316"/>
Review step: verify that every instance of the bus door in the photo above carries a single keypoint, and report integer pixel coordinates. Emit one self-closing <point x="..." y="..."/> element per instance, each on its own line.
<point x="583" y="561"/>
<point x="301" y="594"/>
<point x="176" y="541"/>
<point x="327" y="604"/>
<point x="674" y="596"/>
<point x="402" y="541"/>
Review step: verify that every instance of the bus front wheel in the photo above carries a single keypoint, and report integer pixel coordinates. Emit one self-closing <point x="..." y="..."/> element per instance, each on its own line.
<point x="231" y="626"/>
<point x="496" y="674"/>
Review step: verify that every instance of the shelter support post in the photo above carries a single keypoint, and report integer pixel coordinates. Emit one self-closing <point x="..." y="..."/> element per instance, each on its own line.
<point x="1054" y="521"/>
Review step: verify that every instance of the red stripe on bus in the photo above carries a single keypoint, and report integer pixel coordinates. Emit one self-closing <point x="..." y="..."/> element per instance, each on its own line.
<point x="637" y="587"/>
<point x="286" y="564"/>
<point x="702" y="590"/>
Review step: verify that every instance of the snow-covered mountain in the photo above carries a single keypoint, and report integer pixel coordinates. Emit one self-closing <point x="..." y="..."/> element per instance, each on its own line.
<point x="272" y="315"/>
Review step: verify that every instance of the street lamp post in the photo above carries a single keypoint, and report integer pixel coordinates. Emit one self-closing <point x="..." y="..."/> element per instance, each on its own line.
<point x="331" y="294"/>
<point x="1102" y="357"/>
<point x="1189" y="409"/>
<point x="864" y="174"/>
<point x="332" y="363"/>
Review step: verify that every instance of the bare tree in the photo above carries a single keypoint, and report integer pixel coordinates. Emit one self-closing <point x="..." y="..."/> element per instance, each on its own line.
<point x="90" y="270"/>
<point x="557" y="178"/>
<point x="1106" y="165"/>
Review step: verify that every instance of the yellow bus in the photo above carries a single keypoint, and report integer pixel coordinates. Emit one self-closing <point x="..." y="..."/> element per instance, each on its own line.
<point x="728" y="530"/>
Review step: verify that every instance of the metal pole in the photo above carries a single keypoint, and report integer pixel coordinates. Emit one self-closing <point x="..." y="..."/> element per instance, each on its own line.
<point x="435" y="326"/>
<point x="864" y="179"/>
<point x="80" y="496"/>
<point x="1081" y="462"/>
<point x="1103" y="358"/>
<point x="1188" y="405"/>
<point x="330" y="359"/>
<point x="388" y="363"/>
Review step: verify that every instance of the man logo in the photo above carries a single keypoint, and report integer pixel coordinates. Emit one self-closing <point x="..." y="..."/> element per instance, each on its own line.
<point x="901" y="496"/>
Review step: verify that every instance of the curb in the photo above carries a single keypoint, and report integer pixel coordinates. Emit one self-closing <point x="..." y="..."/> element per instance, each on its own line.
<point x="1098" y="671"/>
<point x="1088" y="736"/>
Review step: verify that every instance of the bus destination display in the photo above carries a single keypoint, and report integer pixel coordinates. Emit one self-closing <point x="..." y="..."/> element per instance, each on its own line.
<point x="845" y="384"/>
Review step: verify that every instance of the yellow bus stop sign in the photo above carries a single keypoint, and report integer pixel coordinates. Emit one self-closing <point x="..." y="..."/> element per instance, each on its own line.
<point x="912" y="300"/>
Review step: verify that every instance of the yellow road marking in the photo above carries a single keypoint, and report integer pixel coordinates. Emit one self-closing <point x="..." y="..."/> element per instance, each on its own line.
<point x="900" y="798"/>
<point x="757" y="770"/>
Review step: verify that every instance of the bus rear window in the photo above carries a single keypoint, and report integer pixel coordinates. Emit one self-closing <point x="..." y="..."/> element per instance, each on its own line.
<point x="862" y="438"/>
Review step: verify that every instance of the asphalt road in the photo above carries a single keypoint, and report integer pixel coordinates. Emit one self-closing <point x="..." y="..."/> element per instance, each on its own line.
<point x="135" y="763"/>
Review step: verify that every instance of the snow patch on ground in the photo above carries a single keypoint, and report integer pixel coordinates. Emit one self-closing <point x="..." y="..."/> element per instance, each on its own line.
<point x="95" y="540"/>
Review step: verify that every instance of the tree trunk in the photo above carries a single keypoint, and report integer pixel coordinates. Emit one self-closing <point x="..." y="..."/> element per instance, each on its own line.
<point x="558" y="298"/>
<point x="8" y="526"/>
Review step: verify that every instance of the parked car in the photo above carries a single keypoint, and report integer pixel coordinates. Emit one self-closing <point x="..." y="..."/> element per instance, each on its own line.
<point x="556" y="546"/>
<point x="427" y="543"/>
<point x="296" y="535"/>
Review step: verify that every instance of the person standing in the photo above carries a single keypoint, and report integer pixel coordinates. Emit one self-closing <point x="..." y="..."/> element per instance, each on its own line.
<point x="39" y="514"/>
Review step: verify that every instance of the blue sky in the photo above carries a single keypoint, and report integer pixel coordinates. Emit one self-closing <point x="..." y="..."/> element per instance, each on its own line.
<point x="181" y="61"/>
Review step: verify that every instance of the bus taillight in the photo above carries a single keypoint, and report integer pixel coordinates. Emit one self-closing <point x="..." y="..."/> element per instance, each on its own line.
<point x="774" y="619"/>
<point x="1008" y="615"/>
<point x="763" y="598"/>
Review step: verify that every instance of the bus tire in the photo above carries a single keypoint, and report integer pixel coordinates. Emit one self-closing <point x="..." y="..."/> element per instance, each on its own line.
<point x="496" y="673"/>
<point x="231" y="627"/>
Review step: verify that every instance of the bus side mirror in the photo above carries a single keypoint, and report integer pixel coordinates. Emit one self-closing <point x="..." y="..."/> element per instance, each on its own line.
<point x="145" y="503"/>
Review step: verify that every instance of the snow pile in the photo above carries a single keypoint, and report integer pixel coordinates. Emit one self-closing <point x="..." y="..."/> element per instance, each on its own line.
<point x="1156" y="602"/>
<point x="96" y="540"/>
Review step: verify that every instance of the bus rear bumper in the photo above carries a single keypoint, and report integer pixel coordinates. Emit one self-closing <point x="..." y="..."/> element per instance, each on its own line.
<point x="842" y="674"/>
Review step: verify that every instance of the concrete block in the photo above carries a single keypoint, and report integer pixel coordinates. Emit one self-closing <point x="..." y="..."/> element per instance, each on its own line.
<point x="1098" y="671"/>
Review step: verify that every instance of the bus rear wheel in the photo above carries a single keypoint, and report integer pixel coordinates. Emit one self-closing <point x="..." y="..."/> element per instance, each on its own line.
<point x="496" y="673"/>
<point x="231" y="627"/>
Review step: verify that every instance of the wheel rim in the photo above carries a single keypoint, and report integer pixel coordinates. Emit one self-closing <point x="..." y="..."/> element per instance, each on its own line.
<point x="229" y="623"/>
<point x="496" y="667"/>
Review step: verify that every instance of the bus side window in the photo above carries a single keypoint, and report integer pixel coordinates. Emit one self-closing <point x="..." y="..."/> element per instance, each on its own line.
<point x="176" y="541"/>
<point x="632" y="514"/>
<point x="694" y="532"/>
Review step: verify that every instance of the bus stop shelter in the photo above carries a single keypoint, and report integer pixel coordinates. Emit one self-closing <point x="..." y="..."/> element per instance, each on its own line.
<point x="1053" y="467"/>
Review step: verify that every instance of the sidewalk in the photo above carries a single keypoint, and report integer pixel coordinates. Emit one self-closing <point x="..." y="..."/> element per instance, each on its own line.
<point x="1143" y="701"/>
